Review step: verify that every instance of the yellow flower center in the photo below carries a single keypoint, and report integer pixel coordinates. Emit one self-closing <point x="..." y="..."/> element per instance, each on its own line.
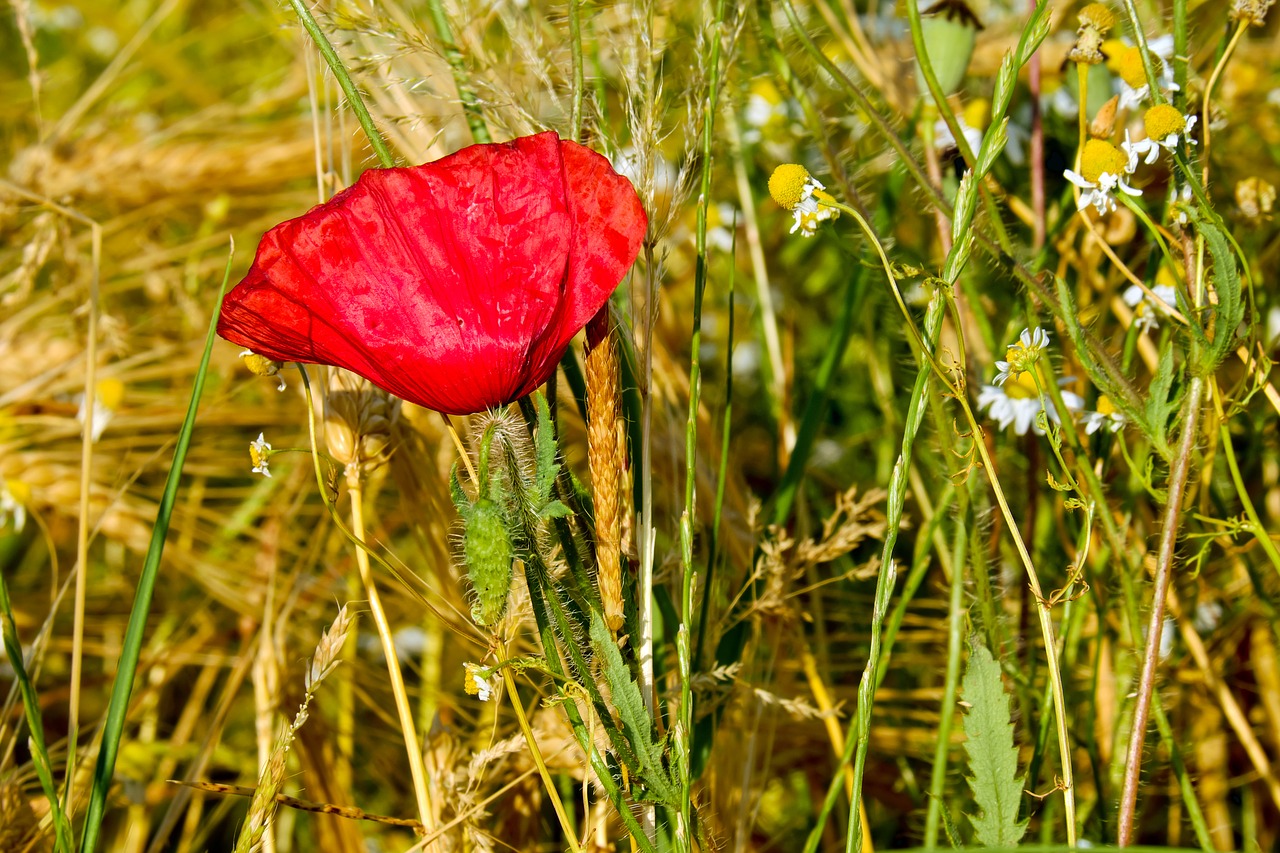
<point x="111" y="393"/>
<point x="1097" y="16"/>
<point x="1021" y="387"/>
<point x="1105" y="406"/>
<point x="260" y="365"/>
<point x="1163" y="120"/>
<point x="1101" y="157"/>
<point x="786" y="185"/>
<point x="1129" y="66"/>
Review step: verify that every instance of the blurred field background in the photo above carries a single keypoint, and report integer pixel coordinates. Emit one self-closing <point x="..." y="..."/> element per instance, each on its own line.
<point x="162" y="130"/>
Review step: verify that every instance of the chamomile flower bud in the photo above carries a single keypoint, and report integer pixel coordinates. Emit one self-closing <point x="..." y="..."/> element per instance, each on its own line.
<point x="259" y="452"/>
<point x="260" y="365"/>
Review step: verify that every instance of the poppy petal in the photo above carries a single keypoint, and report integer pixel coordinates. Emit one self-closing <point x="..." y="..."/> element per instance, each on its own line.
<point x="457" y="284"/>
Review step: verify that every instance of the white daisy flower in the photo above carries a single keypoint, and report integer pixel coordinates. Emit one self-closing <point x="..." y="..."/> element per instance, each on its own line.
<point x="1144" y="309"/>
<point x="1022" y="354"/>
<point x="1017" y="403"/>
<point x="1165" y="126"/>
<point x="1106" y="416"/>
<point x="477" y="683"/>
<point x="794" y="189"/>
<point x="259" y="453"/>
<point x="1103" y="169"/>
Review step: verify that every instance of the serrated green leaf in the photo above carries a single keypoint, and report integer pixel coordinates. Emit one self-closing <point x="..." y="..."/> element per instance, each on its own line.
<point x="1161" y="401"/>
<point x="555" y="509"/>
<point x="636" y="724"/>
<point x="1226" y="283"/>
<point x="993" y="758"/>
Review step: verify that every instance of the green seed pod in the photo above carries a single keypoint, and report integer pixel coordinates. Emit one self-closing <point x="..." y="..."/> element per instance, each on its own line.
<point x="486" y="547"/>
<point x="949" y="28"/>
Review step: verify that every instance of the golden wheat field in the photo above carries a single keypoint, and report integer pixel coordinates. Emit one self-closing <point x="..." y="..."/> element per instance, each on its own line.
<point x="585" y="425"/>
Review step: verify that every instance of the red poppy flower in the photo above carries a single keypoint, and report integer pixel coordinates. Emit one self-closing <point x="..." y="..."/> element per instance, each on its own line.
<point x="457" y="284"/>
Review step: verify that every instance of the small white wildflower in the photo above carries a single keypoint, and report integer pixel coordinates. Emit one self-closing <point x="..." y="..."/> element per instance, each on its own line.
<point x="476" y="683"/>
<point x="1164" y="126"/>
<point x="1144" y="309"/>
<point x="1103" y="168"/>
<point x="259" y="453"/>
<point x="106" y="399"/>
<point x="1106" y="416"/>
<point x="1017" y="403"/>
<point x="944" y="139"/>
<point x="794" y="189"/>
<point x="260" y="365"/>
<point x="1022" y="354"/>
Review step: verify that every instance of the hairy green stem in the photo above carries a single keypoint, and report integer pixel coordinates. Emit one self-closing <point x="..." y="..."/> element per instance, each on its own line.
<point x="1155" y="624"/>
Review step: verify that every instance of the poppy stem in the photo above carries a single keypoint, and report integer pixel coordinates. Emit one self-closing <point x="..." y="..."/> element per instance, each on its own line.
<point x="339" y="70"/>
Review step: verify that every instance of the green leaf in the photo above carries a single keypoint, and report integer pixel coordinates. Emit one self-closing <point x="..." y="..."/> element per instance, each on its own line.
<point x="555" y="509"/>
<point x="545" y="445"/>
<point x="1161" y="402"/>
<point x="627" y="701"/>
<point x="993" y="758"/>
<point x="1226" y="282"/>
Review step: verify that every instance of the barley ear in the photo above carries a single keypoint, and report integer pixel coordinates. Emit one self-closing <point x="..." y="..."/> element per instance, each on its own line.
<point x="605" y="460"/>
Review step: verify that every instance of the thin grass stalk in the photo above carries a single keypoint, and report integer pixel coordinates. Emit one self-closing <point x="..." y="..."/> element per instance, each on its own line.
<point x="344" y="80"/>
<point x="82" y="525"/>
<point x="1155" y="624"/>
<point x="470" y="104"/>
<point x="776" y="383"/>
<point x="408" y="727"/>
<point x="1254" y="524"/>
<point x="722" y="474"/>
<point x="579" y="80"/>
<point x="63" y="837"/>
<point x="955" y="645"/>
<point x="131" y="648"/>
<point x="1205" y="124"/>
<point x="548" y="784"/>
<point x="683" y="649"/>
<point x="404" y="712"/>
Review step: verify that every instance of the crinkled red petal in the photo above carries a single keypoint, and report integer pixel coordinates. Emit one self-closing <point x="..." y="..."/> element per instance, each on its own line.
<point x="457" y="284"/>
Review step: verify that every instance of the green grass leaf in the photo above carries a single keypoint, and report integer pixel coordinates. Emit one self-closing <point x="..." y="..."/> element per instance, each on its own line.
<point x="993" y="758"/>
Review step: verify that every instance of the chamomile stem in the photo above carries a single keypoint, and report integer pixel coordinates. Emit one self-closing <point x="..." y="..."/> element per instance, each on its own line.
<point x="547" y="782"/>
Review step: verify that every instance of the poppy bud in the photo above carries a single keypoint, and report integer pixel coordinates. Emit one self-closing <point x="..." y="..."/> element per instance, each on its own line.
<point x="486" y="548"/>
